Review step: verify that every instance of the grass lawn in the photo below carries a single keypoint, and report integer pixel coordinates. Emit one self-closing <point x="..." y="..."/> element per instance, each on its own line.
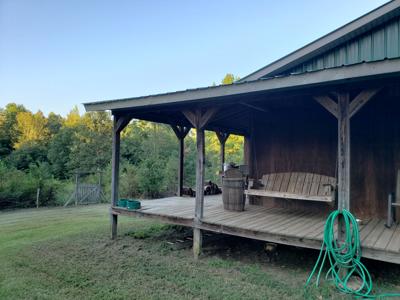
<point x="66" y="253"/>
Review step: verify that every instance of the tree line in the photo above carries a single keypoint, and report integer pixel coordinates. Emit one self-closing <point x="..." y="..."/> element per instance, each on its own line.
<point x="38" y="151"/>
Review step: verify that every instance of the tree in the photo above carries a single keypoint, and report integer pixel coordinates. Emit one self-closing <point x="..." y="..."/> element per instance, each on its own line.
<point x="54" y="123"/>
<point x="59" y="152"/>
<point x="73" y="118"/>
<point x="9" y="133"/>
<point x="91" y="147"/>
<point x="32" y="128"/>
<point x="229" y="79"/>
<point x="27" y="154"/>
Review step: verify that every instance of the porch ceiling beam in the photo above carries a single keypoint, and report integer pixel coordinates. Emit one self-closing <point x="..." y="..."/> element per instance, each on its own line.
<point x="122" y="121"/>
<point x="222" y="93"/>
<point x="180" y="131"/>
<point x="222" y="136"/>
<point x="328" y="104"/>
<point x="252" y="106"/>
<point x="198" y="118"/>
<point x="361" y="99"/>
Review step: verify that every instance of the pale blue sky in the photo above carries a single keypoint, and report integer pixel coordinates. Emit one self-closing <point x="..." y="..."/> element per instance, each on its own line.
<point x="55" y="54"/>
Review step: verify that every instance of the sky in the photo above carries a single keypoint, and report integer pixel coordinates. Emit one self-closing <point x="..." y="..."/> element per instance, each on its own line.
<point x="57" y="54"/>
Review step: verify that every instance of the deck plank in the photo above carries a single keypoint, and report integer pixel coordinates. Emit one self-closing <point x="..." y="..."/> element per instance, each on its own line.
<point x="384" y="238"/>
<point x="291" y="227"/>
<point x="394" y="244"/>
<point x="374" y="235"/>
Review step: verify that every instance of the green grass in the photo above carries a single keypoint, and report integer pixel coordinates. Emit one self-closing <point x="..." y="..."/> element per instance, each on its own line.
<point x="66" y="253"/>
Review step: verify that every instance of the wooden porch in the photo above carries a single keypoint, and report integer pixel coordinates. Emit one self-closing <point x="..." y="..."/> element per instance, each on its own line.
<point x="278" y="225"/>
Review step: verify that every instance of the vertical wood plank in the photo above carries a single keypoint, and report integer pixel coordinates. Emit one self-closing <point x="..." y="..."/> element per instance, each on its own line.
<point x="343" y="152"/>
<point x="299" y="183"/>
<point x="278" y="182"/>
<point x="115" y="174"/>
<point x="398" y="187"/>
<point x="180" y="170"/>
<point x="315" y="185"/>
<point x="285" y="182"/>
<point x="343" y="158"/>
<point x="199" y="174"/>
<point x="197" y="242"/>
<point x="307" y="184"/>
<point x="292" y="182"/>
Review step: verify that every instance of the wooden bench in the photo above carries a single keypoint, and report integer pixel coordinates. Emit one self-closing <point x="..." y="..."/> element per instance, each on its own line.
<point x="296" y="185"/>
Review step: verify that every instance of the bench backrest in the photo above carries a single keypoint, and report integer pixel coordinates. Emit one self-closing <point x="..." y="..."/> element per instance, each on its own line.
<point x="307" y="184"/>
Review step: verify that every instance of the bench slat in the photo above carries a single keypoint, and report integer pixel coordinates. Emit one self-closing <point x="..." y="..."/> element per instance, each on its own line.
<point x="278" y="181"/>
<point x="300" y="183"/>
<point x="307" y="184"/>
<point x="270" y="183"/>
<point x="285" y="182"/>
<point x="292" y="183"/>
<point x="253" y="192"/>
<point x="296" y="185"/>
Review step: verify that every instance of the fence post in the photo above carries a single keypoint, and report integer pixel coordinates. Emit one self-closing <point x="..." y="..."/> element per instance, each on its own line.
<point x="37" y="197"/>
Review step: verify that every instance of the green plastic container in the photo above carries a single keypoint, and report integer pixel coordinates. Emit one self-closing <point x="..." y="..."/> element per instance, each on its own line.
<point x="122" y="202"/>
<point x="133" y="204"/>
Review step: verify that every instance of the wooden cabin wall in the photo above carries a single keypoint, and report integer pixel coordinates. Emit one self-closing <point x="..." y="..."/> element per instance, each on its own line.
<point x="305" y="140"/>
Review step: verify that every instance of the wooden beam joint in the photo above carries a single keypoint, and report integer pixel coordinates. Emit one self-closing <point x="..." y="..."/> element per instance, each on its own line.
<point x="180" y="131"/>
<point x="360" y="100"/>
<point x="329" y="104"/>
<point x="199" y="118"/>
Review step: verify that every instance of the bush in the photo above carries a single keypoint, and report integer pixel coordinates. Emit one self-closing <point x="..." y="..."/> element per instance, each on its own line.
<point x="18" y="189"/>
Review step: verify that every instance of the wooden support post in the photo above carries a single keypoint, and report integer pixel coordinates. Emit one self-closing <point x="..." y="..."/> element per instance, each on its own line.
<point x="197" y="242"/>
<point x="181" y="132"/>
<point x="199" y="206"/>
<point x="344" y="110"/>
<point x="37" y="197"/>
<point x="181" y="166"/>
<point x="199" y="120"/>
<point x="343" y="157"/>
<point x="120" y="122"/>
<point x="76" y="188"/>
<point x="222" y="137"/>
<point x="116" y="138"/>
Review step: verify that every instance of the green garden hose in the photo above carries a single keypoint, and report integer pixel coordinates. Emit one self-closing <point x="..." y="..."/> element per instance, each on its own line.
<point x="344" y="258"/>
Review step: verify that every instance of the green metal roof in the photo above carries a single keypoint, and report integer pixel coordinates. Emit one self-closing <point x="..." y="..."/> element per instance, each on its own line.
<point x="341" y="46"/>
<point x="377" y="44"/>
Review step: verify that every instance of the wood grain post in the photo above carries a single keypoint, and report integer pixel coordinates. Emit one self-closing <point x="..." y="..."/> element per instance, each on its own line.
<point x="343" y="157"/>
<point x="120" y="122"/>
<point x="116" y="138"/>
<point x="199" y="204"/>
<point x="199" y="120"/>
<point x="181" y="167"/>
<point x="181" y="132"/>
<point x="222" y="137"/>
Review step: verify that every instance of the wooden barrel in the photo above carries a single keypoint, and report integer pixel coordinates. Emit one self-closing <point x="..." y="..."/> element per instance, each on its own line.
<point x="233" y="193"/>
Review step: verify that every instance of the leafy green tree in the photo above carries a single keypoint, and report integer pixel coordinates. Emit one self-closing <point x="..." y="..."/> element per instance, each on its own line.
<point x="54" y="123"/>
<point x="59" y="152"/>
<point x="9" y="133"/>
<point x="229" y="79"/>
<point x="27" y="154"/>
<point x="32" y="128"/>
<point x="91" y="147"/>
<point x="73" y="118"/>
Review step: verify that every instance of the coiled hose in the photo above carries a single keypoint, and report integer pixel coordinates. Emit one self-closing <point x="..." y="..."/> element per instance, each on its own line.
<point x="344" y="258"/>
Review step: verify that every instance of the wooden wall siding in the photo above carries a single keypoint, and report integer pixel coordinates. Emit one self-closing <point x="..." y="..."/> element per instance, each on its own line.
<point x="306" y="141"/>
<point x="377" y="44"/>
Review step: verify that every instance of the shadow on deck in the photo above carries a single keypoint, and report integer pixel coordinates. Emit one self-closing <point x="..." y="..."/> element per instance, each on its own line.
<point x="278" y="225"/>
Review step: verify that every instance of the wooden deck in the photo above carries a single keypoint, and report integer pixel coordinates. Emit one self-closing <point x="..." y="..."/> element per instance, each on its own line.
<point x="296" y="228"/>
